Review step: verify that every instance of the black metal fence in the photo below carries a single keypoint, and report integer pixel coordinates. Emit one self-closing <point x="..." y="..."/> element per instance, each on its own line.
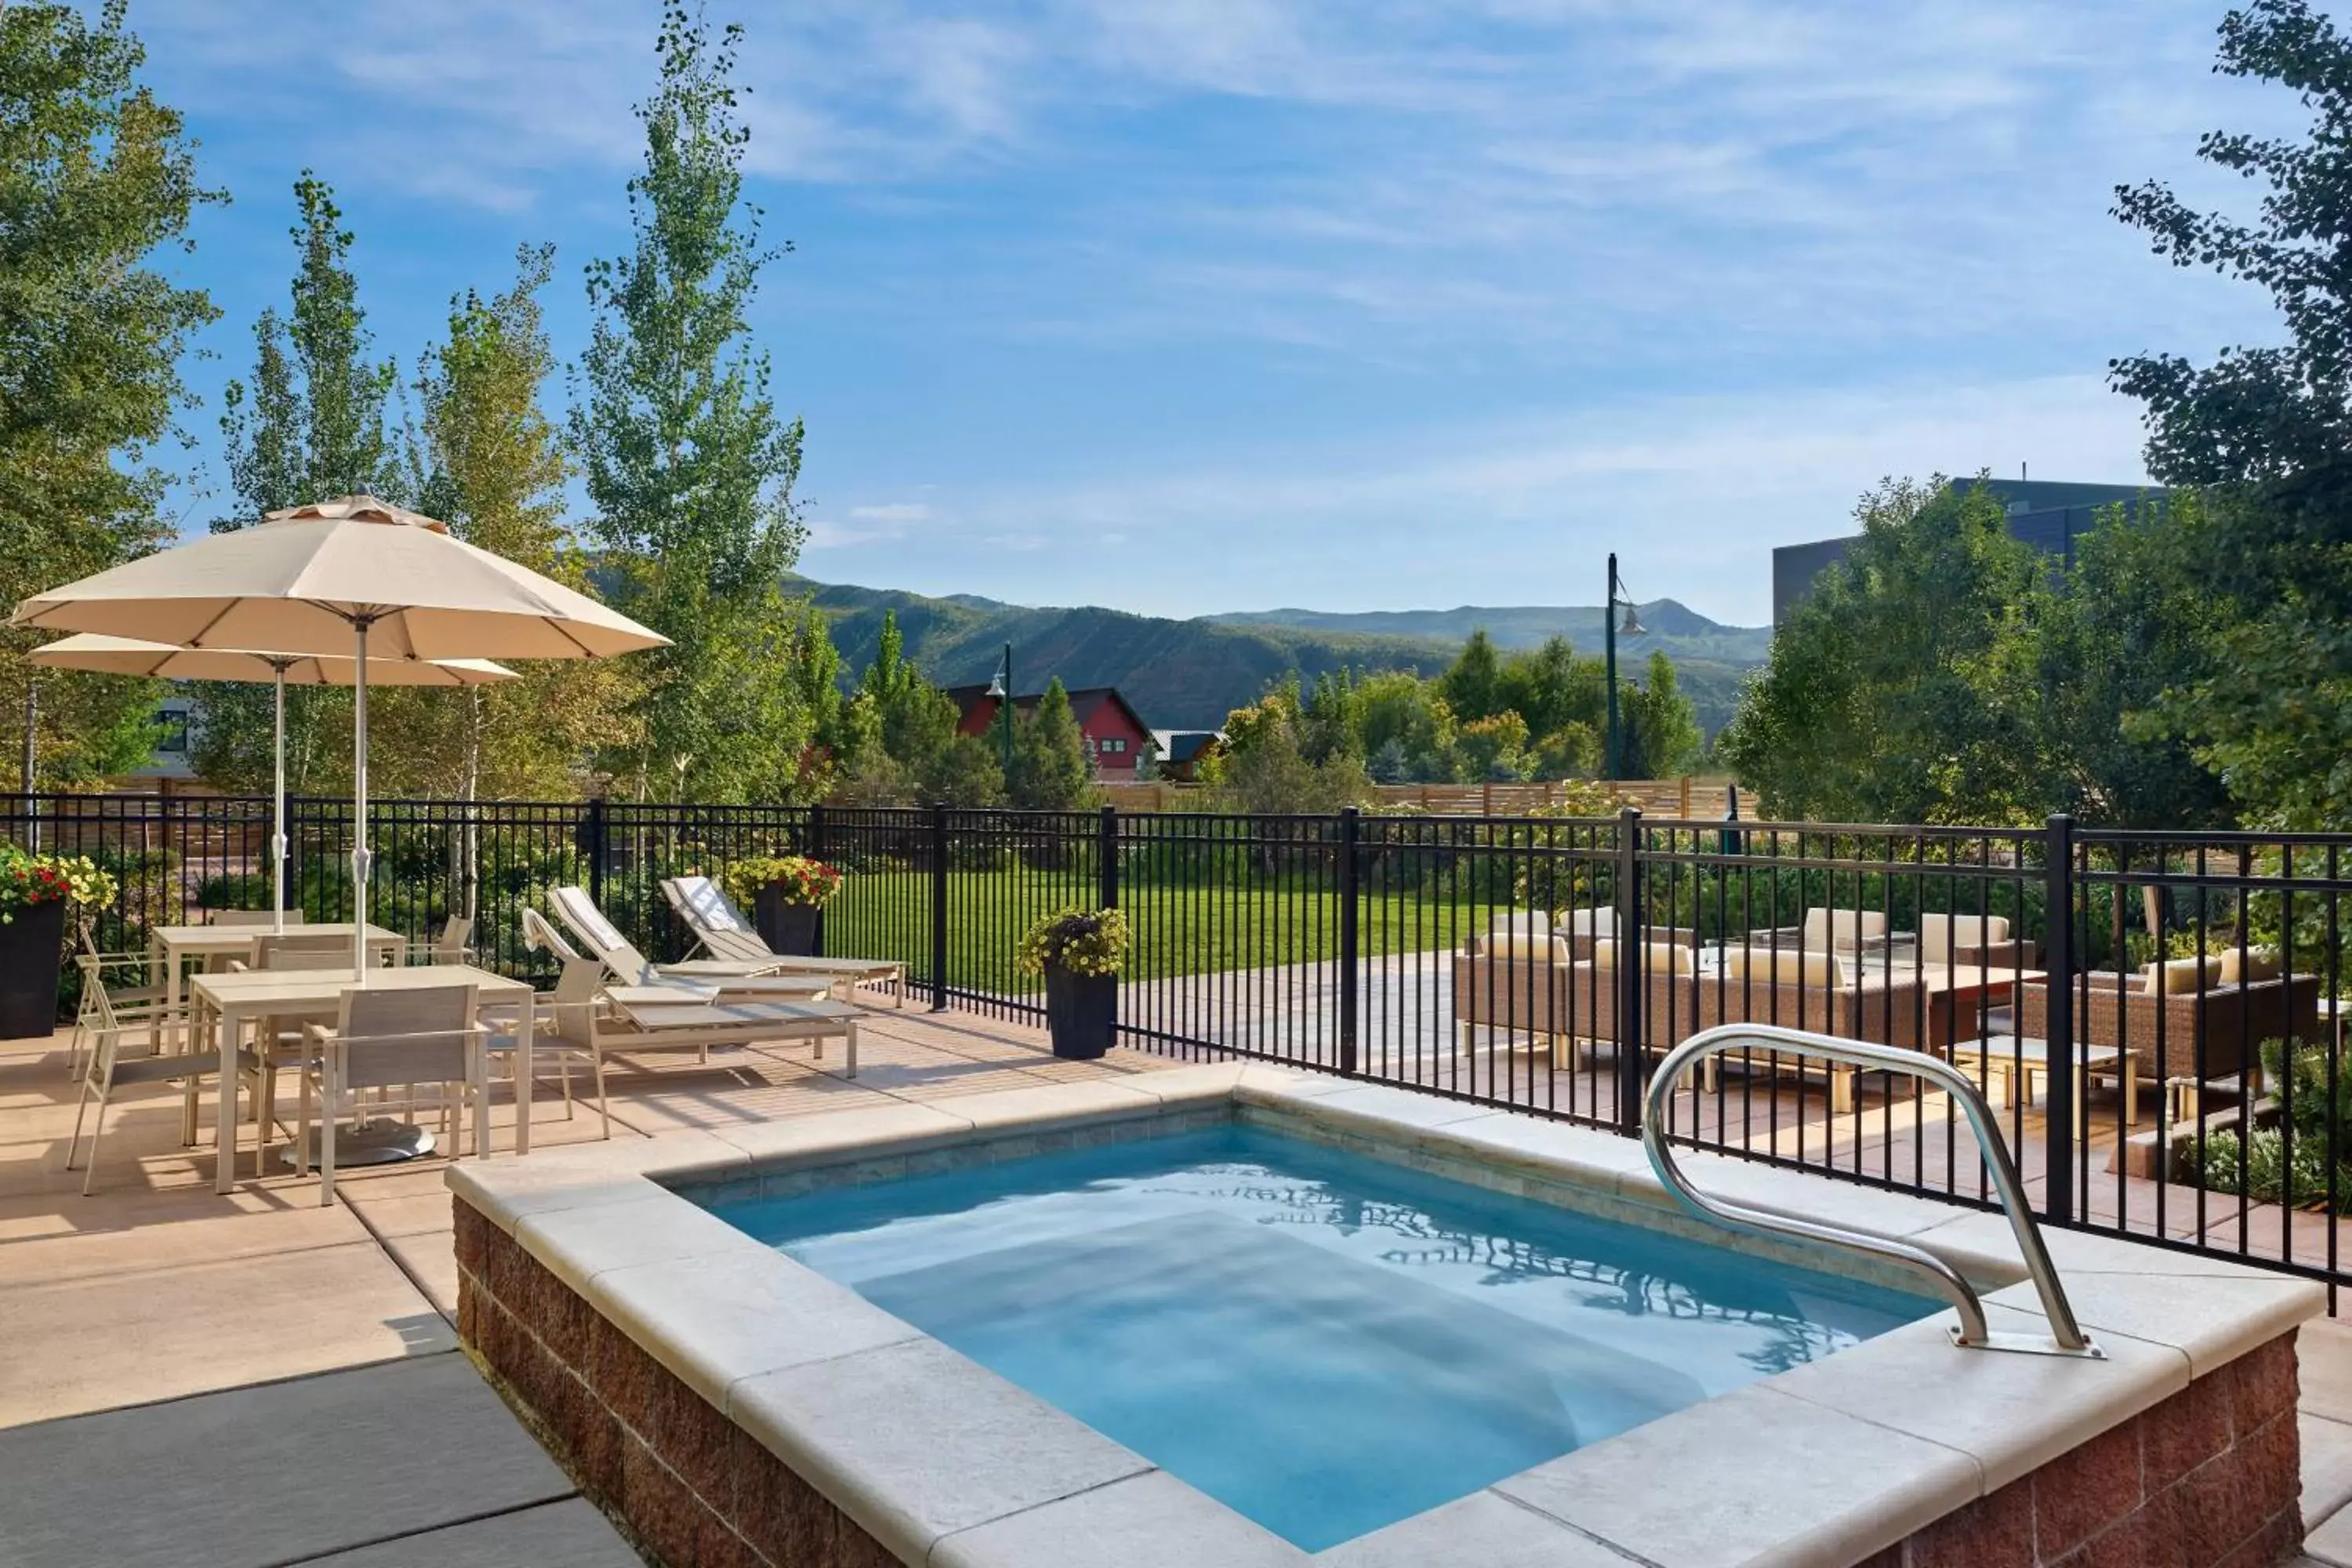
<point x="2155" y="1016"/>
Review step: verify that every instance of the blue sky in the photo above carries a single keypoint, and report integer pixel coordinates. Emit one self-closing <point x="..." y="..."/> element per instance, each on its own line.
<point x="1201" y="305"/>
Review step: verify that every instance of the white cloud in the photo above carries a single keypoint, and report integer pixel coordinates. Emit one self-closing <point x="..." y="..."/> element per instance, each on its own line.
<point x="873" y="524"/>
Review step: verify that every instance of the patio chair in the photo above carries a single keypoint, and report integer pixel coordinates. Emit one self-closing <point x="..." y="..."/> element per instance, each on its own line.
<point x="504" y="1042"/>
<point x="589" y="1013"/>
<point x="601" y="937"/>
<point x="721" y="931"/>
<point x="447" y="946"/>
<point x="395" y="1047"/>
<point x="134" y="1001"/>
<point x="108" y="1068"/>
<point x="246" y="918"/>
<point x="280" y="1041"/>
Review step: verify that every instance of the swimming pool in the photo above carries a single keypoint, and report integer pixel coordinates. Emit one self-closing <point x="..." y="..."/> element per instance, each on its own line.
<point x="1325" y="1343"/>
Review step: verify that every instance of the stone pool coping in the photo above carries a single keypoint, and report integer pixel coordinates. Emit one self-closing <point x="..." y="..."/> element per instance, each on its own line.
<point x="944" y="1463"/>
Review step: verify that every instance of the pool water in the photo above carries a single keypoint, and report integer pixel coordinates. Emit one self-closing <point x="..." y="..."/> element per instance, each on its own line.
<point x="1324" y="1342"/>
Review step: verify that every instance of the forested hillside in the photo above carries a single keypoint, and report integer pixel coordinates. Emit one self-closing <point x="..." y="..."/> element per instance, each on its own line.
<point x="1191" y="674"/>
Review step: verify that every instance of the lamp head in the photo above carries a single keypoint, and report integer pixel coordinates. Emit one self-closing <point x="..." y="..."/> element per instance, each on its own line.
<point x="1632" y="626"/>
<point x="996" y="686"/>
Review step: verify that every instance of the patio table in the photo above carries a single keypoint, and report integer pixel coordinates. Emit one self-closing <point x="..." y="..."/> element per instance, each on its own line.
<point x="229" y="1001"/>
<point x="170" y="947"/>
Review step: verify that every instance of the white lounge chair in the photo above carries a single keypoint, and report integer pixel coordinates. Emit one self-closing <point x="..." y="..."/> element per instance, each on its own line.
<point x="592" y="1016"/>
<point x="715" y="980"/>
<point x="723" y="932"/>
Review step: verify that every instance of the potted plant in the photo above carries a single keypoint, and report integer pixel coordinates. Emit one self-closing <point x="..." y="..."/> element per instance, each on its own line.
<point x="787" y="893"/>
<point x="1080" y="952"/>
<point x="34" y="892"/>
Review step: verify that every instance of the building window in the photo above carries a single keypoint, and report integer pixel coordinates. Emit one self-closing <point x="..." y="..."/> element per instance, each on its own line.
<point x="1113" y="746"/>
<point x="171" y="732"/>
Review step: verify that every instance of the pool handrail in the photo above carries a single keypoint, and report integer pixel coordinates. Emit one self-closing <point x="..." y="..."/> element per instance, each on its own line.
<point x="2066" y="1336"/>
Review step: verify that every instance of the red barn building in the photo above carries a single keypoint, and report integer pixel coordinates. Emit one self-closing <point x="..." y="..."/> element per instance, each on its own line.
<point x="1114" y="733"/>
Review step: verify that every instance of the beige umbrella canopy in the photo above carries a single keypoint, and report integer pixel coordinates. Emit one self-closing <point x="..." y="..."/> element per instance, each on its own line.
<point x="302" y="580"/>
<point x="129" y="656"/>
<point x="331" y="577"/>
<point x="164" y="661"/>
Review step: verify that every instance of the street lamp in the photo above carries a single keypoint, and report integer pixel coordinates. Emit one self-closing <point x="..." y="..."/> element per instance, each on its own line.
<point x="1000" y="686"/>
<point x="1613" y="763"/>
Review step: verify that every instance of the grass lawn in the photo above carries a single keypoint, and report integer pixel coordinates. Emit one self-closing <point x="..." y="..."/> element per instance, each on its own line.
<point x="1178" y="930"/>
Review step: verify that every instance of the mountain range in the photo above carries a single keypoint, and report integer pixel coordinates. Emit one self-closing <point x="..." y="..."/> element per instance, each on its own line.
<point x="1189" y="674"/>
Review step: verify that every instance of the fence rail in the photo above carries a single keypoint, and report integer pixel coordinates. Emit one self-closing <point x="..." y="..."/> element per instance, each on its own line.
<point x="2156" y="1016"/>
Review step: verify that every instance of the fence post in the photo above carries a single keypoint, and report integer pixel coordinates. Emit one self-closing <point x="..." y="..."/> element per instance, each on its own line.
<point x="1628" y="971"/>
<point x="593" y="834"/>
<point x="1351" y="819"/>
<point x="815" y="851"/>
<point x="1106" y="859"/>
<point x="939" y="907"/>
<point x="2058" y="957"/>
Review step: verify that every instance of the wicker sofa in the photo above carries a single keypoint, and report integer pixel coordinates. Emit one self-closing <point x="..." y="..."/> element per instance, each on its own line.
<point x="1520" y="986"/>
<point x="2163" y="1022"/>
<point x="1542" y="986"/>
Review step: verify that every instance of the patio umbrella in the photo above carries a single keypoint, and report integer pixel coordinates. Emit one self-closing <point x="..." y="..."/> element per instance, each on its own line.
<point x="321" y="578"/>
<point x="129" y="656"/>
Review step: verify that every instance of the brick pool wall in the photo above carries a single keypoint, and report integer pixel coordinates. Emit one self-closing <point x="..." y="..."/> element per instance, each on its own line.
<point x="698" y="1492"/>
<point x="2210" y="1477"/>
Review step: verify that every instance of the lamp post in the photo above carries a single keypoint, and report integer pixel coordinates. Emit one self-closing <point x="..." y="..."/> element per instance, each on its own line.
<point x="1613" y="763"/>
<point x="1000" y="686"/>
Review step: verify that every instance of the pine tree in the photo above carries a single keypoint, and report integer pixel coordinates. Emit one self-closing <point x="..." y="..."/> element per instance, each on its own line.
<point x="1050" y="772"/>
<point x="689" y="465"/>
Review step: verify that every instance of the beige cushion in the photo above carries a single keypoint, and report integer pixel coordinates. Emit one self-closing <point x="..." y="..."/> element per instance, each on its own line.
<point x="1520" y="922"/>
<point x="1786" y="967"/>
<point x="1853" y="926"/>
<point x="1938" y="934"/>
<point x="2182" y="976"/>
<point x="2255" y="964"/>
<point x="1540" y="949"/>
<point x="1602" y="922"/>
<point x="1659" y="957"/>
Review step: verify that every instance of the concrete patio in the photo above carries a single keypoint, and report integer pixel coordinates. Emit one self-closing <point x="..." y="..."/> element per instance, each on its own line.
<point x="284" y="1378"/>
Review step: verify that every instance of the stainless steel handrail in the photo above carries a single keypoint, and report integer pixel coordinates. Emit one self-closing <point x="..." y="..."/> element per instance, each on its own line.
<point x="2066" y="1337"/>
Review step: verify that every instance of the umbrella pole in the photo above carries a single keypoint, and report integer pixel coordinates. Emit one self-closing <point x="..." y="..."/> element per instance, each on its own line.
<point x="359" y="856"/>
<point x="277" y="815"/>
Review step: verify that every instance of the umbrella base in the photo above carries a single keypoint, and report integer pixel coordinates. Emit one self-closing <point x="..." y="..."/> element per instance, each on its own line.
<point x="377" y="1142"/>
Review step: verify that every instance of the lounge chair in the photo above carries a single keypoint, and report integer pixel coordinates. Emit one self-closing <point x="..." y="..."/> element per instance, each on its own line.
<point x="715" y="979"/>
<point x="590" y="1015"/>
<point x="723" y="933"/>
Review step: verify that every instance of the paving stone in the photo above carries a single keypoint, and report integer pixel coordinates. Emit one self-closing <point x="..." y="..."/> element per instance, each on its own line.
<point x="118" y="1338"/>
<point x="280" y="1472"/>
<point x="553" y="1535"/>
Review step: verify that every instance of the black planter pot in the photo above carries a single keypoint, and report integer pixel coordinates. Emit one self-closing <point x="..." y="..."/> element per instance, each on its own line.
<point x="787" y="927"/>
<point x="1081" y="1012"/>
<point x="30" y="946"/>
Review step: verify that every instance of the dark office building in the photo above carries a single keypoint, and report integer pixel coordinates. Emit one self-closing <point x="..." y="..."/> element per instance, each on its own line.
<point x="2046" y="514"/>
